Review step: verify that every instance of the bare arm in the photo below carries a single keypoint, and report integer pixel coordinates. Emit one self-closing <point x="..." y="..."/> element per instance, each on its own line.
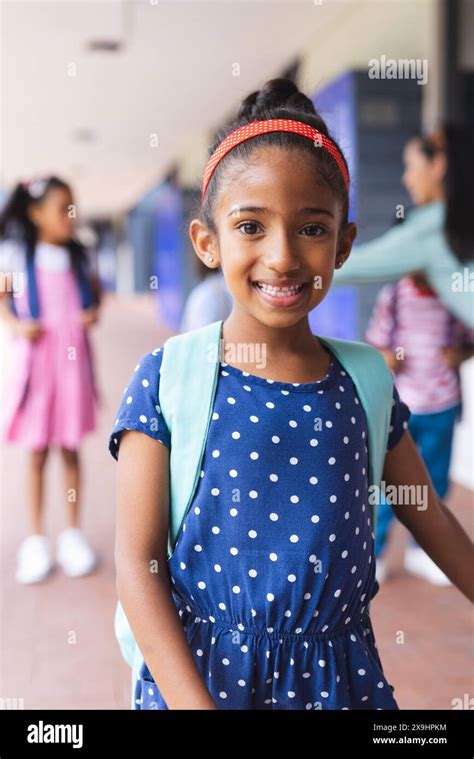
<point x="431" y="523"/>
<point x="30" y="328"/>
<point x="144" y="592"/>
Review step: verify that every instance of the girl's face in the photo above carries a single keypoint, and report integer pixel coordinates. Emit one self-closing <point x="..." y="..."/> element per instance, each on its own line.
<point x="52" y="216"/>
<point x="422" y="177"/>
<point x="278" y="227"/>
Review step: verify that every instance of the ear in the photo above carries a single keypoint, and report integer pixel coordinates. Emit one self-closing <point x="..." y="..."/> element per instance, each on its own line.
<point x="204" y="244"/>
<point x="344" y="243"/>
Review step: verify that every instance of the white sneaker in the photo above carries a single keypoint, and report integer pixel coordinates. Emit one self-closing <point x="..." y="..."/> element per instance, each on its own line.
<point x="418" y="563"/>
<point x="34" y="560"/>
<point x="381" y="570"/>
<point x="74" y="553"/>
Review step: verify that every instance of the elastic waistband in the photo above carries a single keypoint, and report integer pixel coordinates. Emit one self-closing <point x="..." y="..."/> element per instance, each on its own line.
<point x="197" y="615"/>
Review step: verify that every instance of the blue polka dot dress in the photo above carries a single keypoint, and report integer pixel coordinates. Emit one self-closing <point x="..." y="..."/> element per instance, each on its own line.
<point x="273" y="569"/>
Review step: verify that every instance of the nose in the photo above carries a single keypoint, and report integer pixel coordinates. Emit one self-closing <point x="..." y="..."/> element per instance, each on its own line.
<point x="282" y="255"/>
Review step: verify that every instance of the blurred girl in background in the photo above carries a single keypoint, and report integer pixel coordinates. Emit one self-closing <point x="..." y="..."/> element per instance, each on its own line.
<point x="410" y="315"/>
<point x="49" y="298"/>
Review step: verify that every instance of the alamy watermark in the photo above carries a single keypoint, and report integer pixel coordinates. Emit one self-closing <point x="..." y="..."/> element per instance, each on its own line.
<point x="399" y="68"/>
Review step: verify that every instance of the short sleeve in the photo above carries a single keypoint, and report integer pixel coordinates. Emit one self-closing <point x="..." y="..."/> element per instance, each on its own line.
<point x="139" y="408"/>
<point x="398" y="421"/>
<point x="11" y="258"/>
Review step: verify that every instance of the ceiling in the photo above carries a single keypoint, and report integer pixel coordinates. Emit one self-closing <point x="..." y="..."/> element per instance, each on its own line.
<point x="113" y="123"/>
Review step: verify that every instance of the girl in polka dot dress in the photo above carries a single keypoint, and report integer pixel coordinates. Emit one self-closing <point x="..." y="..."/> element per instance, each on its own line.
<point x="264" y="603"/>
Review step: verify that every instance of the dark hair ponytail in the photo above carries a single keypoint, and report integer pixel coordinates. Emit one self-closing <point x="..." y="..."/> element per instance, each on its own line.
<point x="277" y="99"/>
<point x="457" y="142"/>
<point x="459" y="190"/>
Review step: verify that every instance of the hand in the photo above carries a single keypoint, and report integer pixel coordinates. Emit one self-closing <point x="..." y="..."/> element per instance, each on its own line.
<point x="89" y="316"/>
<point x="29" y="328"/>
<point x="453" y="357"/>
<point x="391" y="360"/>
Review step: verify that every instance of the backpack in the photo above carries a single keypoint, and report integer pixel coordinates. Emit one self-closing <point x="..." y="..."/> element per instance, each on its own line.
<point x="188" y="381"/>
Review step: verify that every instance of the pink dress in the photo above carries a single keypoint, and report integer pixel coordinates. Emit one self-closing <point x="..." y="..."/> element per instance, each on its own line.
<point x="52" y="396"/>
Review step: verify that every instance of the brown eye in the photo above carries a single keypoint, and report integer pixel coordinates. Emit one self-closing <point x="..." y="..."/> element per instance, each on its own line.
<point x="252" y="224"/>
<point x="316" y="230"/>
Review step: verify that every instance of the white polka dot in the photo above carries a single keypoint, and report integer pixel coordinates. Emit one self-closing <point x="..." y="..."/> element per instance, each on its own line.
<point x="252" y="572"/>
<point x="254" y="455"/>
<point x="315" y="518"/>
<point x="233" y="472"/>
<point x="275" y="439"/>
<point x="231" y="400"/>
<point x="273" y="517"/>
<point x="274" y="477"/>
<point x="253" y="494"/>
<point x="294" y="538"/>
<point x="216" y="454"/>
<point x="253" y="418"/>
<point x="198" y="548"/>
<point x="236" y="589"/>
<point x="143" y="418"/>
<point x="236" y="435"/>
<point x="129" y="399"/>
<point x="291" y="578"/>
<point x="145" y="383"/>
<point x="313" y="480"/>
<point x="332" y="537"/>
<point x="218" y="567"/>
<point x="273" y="556"/>
<point x="294" y="499"/>
<point x="215" y="491"/>
<point x="270" y="597"/>
<point x="331" y="460"/>
<point x="293" y="460"/>
<point x="201" y="585"/>
<point x="252" y="534"/>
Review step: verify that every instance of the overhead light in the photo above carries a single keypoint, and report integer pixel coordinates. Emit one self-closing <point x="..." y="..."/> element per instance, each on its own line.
<point x="84" y="134"/>
<point x="104" y="45"/>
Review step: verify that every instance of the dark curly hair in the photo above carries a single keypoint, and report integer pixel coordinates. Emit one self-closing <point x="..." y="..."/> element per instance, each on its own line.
<point x="278" y="99"/>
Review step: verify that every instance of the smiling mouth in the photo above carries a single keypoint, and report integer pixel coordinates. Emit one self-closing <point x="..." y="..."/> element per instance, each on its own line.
<point x="280" y="292"/>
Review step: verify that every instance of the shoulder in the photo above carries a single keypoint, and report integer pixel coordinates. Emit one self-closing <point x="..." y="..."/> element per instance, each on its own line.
<point x="11" y="256"/>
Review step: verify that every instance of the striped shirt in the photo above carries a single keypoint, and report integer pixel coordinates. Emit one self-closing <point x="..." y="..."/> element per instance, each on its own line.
<point x="415" y="321"/>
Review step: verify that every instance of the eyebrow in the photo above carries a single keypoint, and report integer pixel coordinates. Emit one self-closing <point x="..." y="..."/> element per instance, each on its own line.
<point x="259" y="209"/>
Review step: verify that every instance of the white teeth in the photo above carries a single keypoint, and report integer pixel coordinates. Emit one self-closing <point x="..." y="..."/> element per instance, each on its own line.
<point x="279" y="291"/>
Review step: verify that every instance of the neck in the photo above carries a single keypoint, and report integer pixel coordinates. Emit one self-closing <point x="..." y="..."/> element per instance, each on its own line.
<point x="242" y="327"/>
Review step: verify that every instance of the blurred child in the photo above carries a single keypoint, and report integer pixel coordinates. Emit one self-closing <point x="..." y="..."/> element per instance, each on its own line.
<point x="424" y="345"/>
<point x="49" y="297"/>
<point x="208" y="301"/>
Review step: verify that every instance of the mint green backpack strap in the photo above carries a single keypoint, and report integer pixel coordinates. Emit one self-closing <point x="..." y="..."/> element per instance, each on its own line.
<point x="189" y="373"/>
<point x="188" y="380"/>
<point x="374" y="384"/>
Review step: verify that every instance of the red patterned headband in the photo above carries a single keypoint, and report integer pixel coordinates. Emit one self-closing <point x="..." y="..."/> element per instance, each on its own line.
<point x="256" y="127"/>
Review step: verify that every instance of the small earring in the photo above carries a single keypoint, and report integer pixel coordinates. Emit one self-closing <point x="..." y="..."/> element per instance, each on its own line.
<point x="211" y="259"/>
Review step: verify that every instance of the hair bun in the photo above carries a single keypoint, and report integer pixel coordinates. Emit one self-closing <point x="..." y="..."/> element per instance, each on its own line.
<point x="276" y="93"/>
